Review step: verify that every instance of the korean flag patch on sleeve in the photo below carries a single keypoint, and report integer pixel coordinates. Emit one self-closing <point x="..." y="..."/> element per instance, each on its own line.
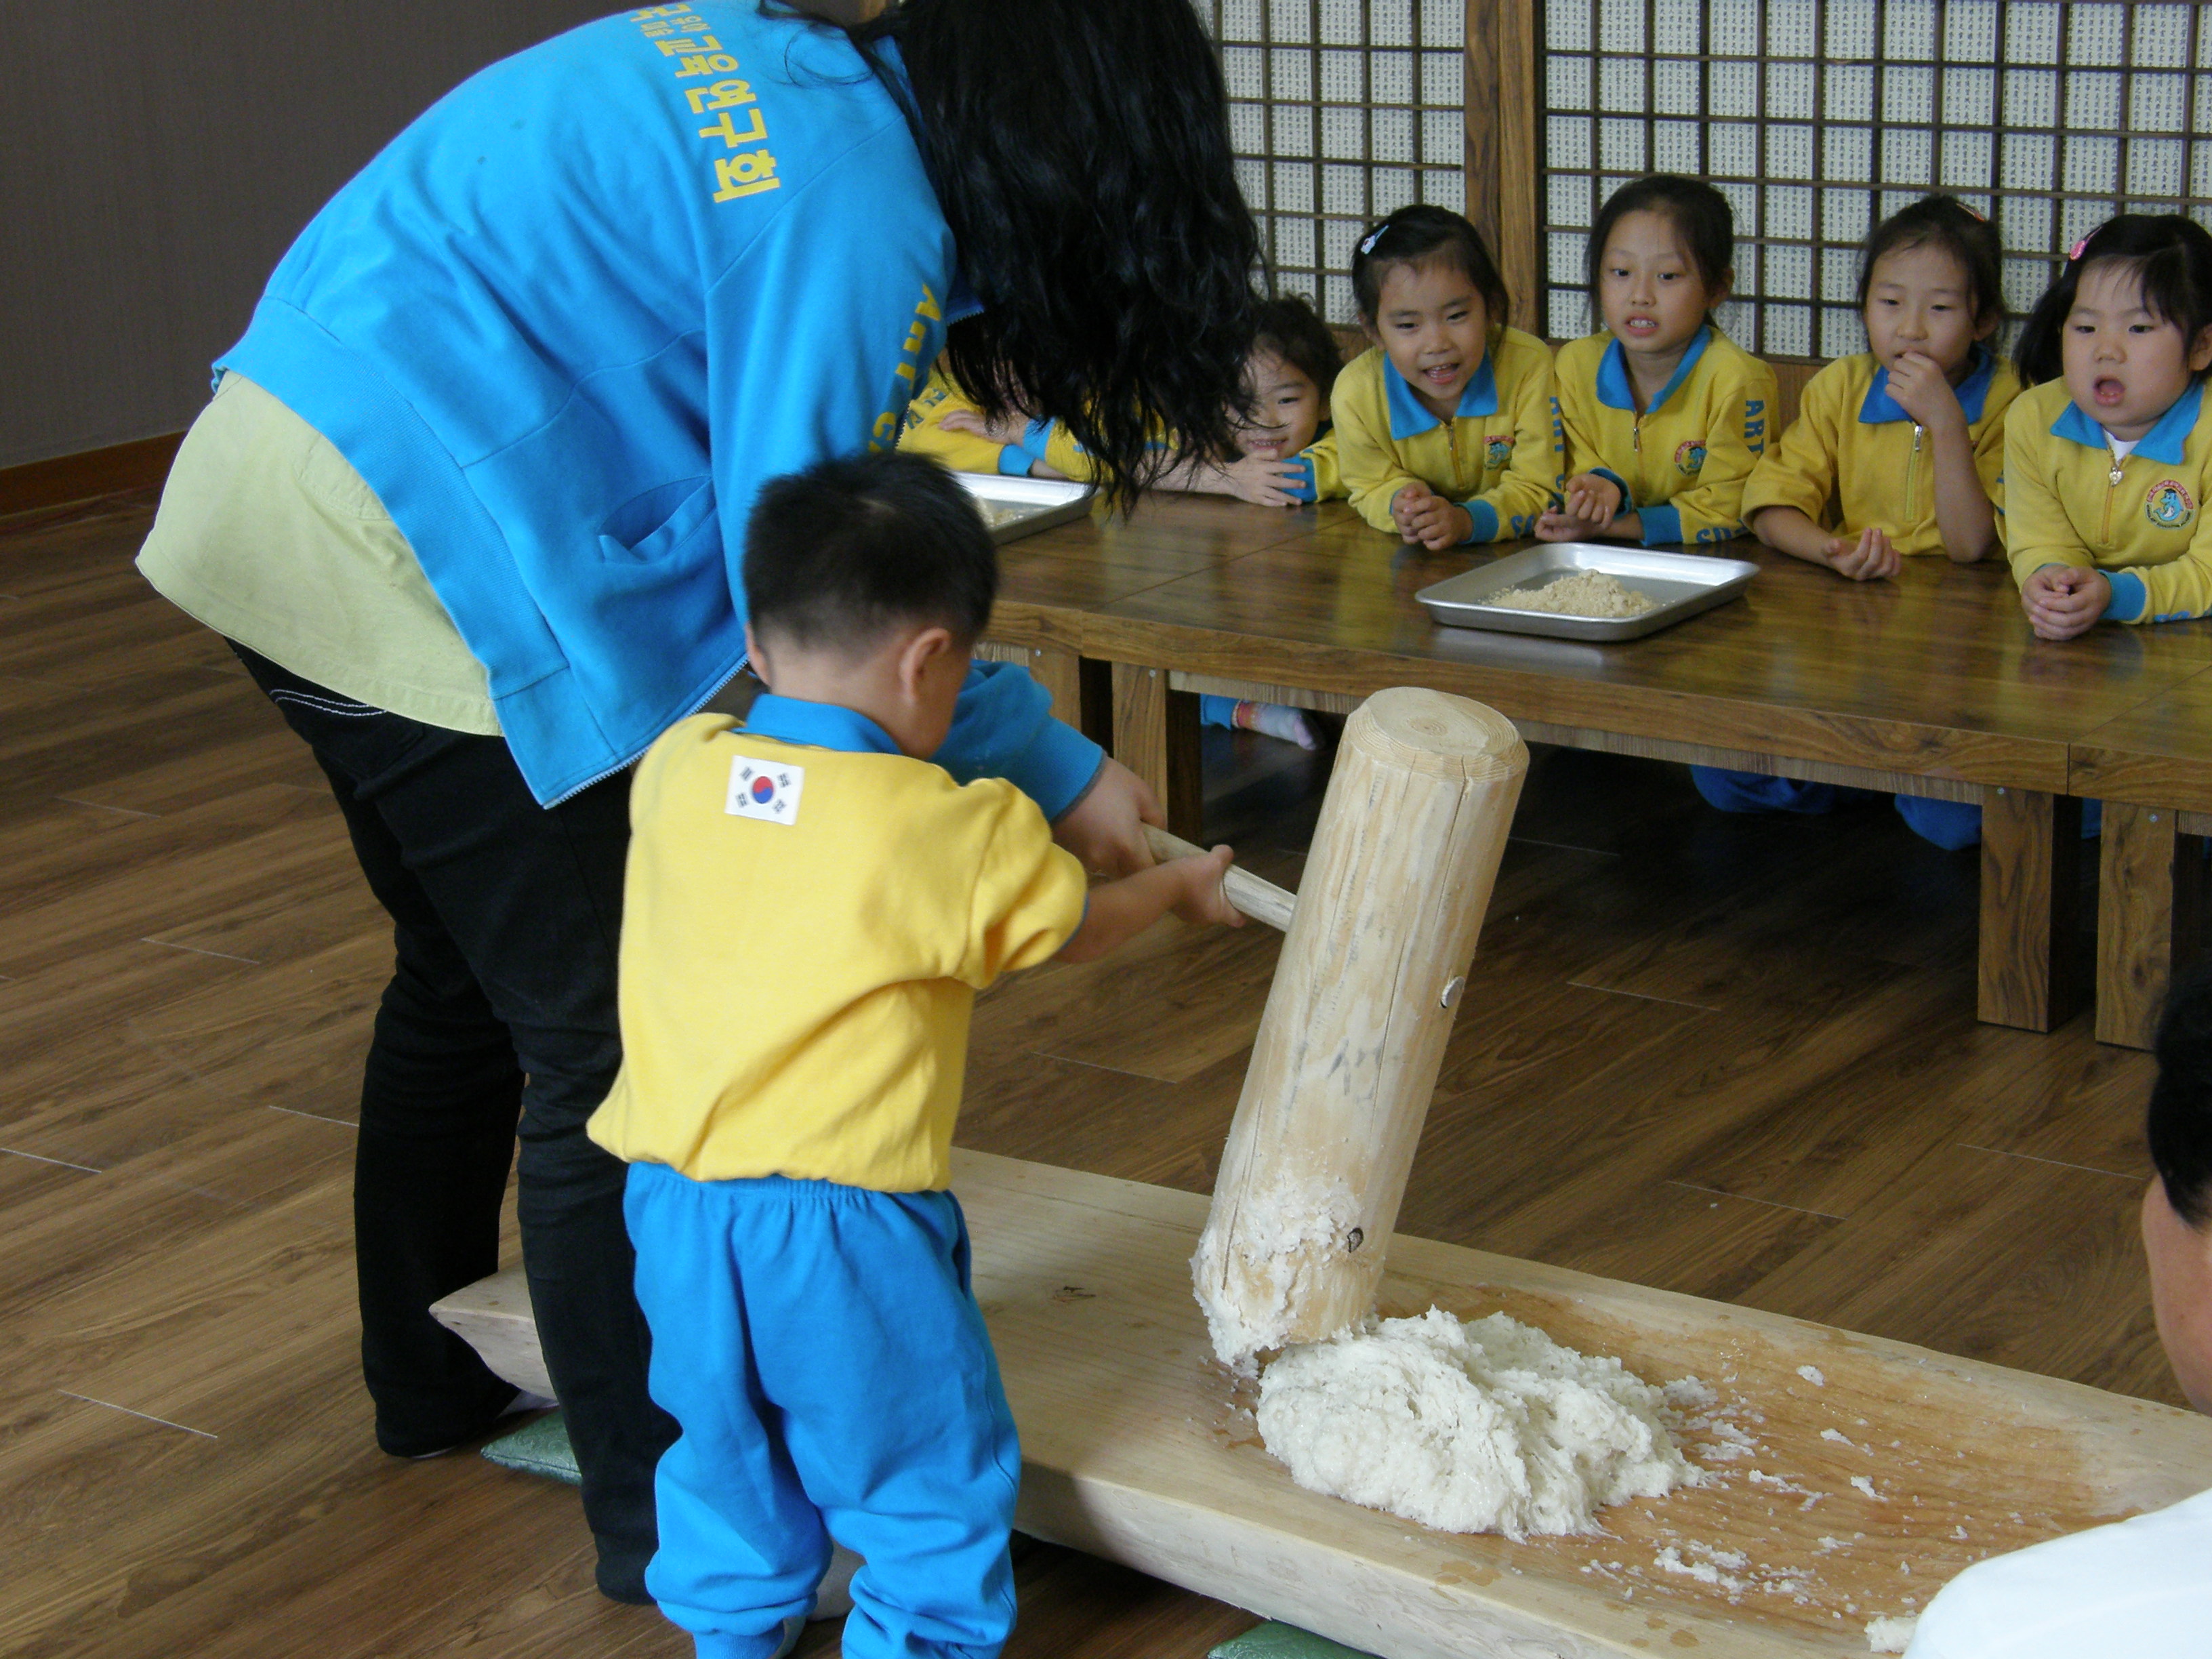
<point x="764" y="789"/>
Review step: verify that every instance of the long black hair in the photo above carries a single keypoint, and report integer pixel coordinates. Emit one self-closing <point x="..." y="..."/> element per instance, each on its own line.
<point x="1080" y="153"/>
<point x="2171" y="254"/>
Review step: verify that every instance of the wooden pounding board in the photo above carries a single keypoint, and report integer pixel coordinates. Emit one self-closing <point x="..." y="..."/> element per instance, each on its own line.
<point x="1138" y="1447"/>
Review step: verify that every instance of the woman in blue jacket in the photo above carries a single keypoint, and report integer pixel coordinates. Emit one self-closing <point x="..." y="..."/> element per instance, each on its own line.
<point x="469" y="498"/>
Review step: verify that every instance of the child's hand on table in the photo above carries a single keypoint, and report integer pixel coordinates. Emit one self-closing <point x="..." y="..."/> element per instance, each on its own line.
<point x="1871" y="557"/>
<point x="1259" y="479"/>
<point x="1009" y="428"/>
<point x="1590" y="505"/>
<point x="2063" y="600"/>
<point x="1426" y="519"/>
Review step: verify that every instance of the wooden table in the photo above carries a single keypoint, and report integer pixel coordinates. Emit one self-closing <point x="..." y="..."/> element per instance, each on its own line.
<point x="1930" y="685"/>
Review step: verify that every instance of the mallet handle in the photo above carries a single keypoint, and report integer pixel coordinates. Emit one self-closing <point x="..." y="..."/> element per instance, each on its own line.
<point x="1261" y="900"/>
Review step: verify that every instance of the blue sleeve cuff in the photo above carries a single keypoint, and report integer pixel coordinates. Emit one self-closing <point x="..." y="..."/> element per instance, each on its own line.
<point x="1483" y="515"/>
<point x="1662" y="525"/>
<point x="1627" y="495"/>
<point x="1004" y="728"/>
<point x="1302" y="483"/>
<point x="1014" y="461"/>
<point x="2130" y="597"/>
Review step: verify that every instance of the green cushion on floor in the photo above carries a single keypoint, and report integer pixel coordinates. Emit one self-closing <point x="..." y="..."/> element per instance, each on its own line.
<point x="1284" y="1641"/>
<point x="538" y="1447"/>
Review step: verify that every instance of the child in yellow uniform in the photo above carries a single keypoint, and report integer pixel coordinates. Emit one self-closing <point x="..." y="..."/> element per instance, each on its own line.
<point x="810" y="908"/>
<point x="2108" y="455"/>
<point x="1895" y="452"/>
<point x="1664" y="416"/>
<point x="1446" y="429"/>
<point x="1286" y="455"/>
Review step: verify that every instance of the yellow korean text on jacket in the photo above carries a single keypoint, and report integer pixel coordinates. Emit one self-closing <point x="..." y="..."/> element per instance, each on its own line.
<point x="2141" y="520"/>
<point x="1853" y="458"/>
<point x="1498" y="457"/>
<point x="1683" y="463"/>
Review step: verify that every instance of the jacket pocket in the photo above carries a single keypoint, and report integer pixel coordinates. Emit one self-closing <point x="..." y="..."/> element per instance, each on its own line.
<point x="647" y="528"/>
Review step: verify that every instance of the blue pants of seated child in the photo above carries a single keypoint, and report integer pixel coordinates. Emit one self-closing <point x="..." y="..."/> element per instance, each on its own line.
<point x="822" y="1352"/>
<point x="1951" y="824"/>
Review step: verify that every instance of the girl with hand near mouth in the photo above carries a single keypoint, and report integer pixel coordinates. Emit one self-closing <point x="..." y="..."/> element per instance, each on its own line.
<point x="1447" y="430"/>
<point x="1664" y="416"/>
<point x="2109" y="456"/>
<point x="1895" y="452"/>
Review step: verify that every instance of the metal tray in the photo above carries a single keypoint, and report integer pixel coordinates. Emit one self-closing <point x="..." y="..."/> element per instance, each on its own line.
<point x="1015" y="507"/>
<point x="1683" y="584"/>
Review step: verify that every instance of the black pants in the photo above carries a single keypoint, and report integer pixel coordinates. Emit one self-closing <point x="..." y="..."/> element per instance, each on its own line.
<point x="500" y="1011"/>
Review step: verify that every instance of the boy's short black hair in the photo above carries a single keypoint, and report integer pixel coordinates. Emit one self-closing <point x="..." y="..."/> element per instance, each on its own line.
<point x="2180" y="1115"/>
<point x="1419" y="233"/>
<point x="1701" y="216"/>
<point x="2171" y="253"/>
<point x="1946" y="224"/>
<point x="1293" y="331"/>
<point x="856" y="544"/>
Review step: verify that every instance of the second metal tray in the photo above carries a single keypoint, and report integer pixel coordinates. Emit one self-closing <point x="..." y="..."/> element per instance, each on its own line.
<point x="1682" y="584"/>
<point x="1014" y="507"/>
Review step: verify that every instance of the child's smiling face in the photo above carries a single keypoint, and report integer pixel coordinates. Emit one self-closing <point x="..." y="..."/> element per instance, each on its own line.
<point x="1648" y="289"/>
<point x="1433" y="326"/>
<point x="2125" y="365"/>
<point x="1287" y="408"/>
<point x="1921" y="300"/>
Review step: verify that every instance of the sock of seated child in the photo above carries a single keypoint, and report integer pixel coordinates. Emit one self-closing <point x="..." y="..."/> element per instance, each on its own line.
<point x="1275" y="720"/>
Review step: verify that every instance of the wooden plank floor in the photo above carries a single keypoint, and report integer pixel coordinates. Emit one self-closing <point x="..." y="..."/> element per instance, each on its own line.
<point x="1732" y="1057"/>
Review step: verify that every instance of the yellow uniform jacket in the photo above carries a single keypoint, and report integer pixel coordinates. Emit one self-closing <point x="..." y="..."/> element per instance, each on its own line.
<point x="1853" y="459"/>
<point x="1498" y="457"/>
<point x="2140" y="520"/>
<point x="1683" y="463"/>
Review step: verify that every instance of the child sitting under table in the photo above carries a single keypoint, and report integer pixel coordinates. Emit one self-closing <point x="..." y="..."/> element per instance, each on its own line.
<point x="1287" y="454"/>
<point x="810" y="907"/>
<point x="1447" y="430"/>
<point x="1664" y="416"/>
<point x="1895" y="452"/>
<point x="2108" y="455"/>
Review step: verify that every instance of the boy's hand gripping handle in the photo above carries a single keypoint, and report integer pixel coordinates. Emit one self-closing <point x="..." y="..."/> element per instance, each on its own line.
<point x="1262" y="900"/>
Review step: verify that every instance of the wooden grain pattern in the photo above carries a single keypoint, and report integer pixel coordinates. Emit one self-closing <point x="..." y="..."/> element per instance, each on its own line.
<point x="2031" y="855"/>
<point x="1137" y="1449"/>
<point x="178" y="1123"/>
<point x="1520" y="158"/>
<point x="2149" y="917"/>
<point x="1155" y="736"/>
<point x="40" y="486"/>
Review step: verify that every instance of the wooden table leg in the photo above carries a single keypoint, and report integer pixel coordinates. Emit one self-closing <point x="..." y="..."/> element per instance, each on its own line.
<point x="2031" y="874"/>
<point x="2149" y="883"/>
<point x="1155" y="736"/>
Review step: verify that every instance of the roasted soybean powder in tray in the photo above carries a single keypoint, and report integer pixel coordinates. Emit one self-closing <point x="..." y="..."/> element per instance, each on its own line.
<point x="1584" y="593"/>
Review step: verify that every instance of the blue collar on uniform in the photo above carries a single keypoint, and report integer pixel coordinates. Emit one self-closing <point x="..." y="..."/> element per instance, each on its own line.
<point x="2163" y="442"/>
<point x="1613" y="388"/>
<point x="1410" y="416"/>
<point x="817" y="725"/>
<point x="1974" y="392"/>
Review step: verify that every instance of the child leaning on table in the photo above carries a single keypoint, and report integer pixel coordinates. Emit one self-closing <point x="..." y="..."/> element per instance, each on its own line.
<point x="810" y="908"/>
<point x="1895" y="452"/>
<point x="1447" y="430"/>
<point x="1664" y="415"/>
<point x="2108" y="455"/>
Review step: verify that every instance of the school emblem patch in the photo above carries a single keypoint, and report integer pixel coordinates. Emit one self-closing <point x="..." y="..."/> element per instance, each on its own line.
<point x="2169" y="505"/>
<point x="1689" y="457"/>
<point x="1496" y="452"/>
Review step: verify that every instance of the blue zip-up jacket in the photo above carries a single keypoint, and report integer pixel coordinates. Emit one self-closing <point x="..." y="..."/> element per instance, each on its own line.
<point x="568" y="322"/>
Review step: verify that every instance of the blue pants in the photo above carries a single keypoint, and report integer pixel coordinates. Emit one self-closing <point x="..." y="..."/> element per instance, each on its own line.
<point x="824" y="1355"/>
<point x="1951" y="824"/>
<point x="1216" y="711"/>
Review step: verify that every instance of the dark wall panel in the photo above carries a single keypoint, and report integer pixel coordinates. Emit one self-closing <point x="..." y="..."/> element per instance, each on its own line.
<point x="157" y="158"/>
